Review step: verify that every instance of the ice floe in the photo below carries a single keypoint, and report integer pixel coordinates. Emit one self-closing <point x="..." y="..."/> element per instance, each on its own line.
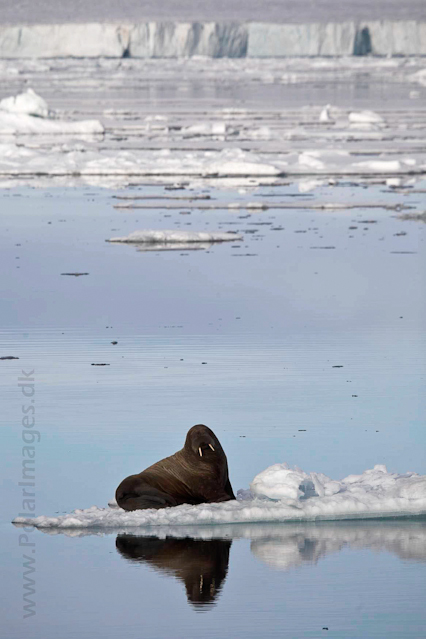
<point x="325" y="114"/>
<point x="178" y="237"/>
<point x="278" y="494"/>
<point x="365" y="117"/>
<point x="29" y="113"/>
<point x="27" y="102"/>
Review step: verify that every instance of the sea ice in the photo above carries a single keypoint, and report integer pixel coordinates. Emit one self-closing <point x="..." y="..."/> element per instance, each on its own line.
<point x="325" y="114"/>
<point x="278" y="494"/>
<point x="178" y="237"/>
<point x="28" y="102"/>
<point x="365" y="117"/>
<point x="29" y="113"/>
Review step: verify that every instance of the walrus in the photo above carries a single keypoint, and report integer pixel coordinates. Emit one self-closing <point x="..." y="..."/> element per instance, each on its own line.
<point x="196" y="474"/>
<point x="201" y="564"/>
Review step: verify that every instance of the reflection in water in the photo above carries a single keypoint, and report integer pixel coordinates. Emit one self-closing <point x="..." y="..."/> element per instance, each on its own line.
<point x="173" y="246"/>
<point x="201" y="565"/>
<point x="286" y="547"/>
<point x="200" y="560"/>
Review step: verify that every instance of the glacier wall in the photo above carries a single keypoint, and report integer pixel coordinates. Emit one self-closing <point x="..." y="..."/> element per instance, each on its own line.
<point x="214" y="39"/>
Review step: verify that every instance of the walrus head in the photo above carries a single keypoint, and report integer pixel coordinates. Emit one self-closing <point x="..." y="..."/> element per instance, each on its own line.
<point x="202" y="441"/>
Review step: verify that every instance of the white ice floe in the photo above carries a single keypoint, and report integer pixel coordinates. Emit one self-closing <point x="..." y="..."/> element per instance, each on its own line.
<point x="419" y="76"/>
<point x="11" y="123"/>
<point x="365" y="120"/>
<point x="205" y="128"/>
<point x="27" y="102"/>
<point x="380" y="166"/>
<point x="325" y="114"/>
<point x="278" y="494"/>
<point x="178" y="237"/>
<point x="29" y="113"/>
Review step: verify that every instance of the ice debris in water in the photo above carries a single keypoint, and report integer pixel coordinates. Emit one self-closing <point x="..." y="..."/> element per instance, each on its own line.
<point x="325" y="114"/>
<point x="365" y="119"/>
<point x="169" y="237"/>
<point x="27" y="102"/>
<point x="278" y="494"/>
<point x="29" y="113"/>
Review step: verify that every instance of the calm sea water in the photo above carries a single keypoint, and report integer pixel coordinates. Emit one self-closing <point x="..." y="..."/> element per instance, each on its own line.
<point x="243" y="337"/>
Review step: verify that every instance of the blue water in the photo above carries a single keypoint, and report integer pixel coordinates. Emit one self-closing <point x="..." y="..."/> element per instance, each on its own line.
<point x="270" y="316"/>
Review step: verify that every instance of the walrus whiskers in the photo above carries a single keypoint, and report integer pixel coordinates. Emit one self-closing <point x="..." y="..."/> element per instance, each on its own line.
<point x="200" y="451"/>
<point x="211" y="447"/>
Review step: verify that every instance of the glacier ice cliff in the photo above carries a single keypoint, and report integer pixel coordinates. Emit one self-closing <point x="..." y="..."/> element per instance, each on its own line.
<point x="213" y="39"/>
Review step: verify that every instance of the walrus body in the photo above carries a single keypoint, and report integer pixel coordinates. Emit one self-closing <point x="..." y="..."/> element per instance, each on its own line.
<point x="196" y="474"/>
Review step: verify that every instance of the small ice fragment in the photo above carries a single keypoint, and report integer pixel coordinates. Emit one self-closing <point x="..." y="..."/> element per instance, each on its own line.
<point x="325" y="114"/>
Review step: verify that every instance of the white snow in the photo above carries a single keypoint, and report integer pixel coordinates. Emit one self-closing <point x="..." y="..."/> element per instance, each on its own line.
<point x="278" y="494"/>
<point x="179" y="237"/>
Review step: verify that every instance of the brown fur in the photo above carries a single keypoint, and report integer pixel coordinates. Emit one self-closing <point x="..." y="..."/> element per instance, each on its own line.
<point x="183" y="478"/>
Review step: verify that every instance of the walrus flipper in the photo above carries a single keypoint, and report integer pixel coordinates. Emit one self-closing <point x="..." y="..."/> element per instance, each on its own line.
<point x="228" y="489"/>
<point x="140" y="497"/>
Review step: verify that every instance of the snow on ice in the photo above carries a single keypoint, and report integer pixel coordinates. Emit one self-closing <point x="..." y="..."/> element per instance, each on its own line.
<point x="278" y="494"/>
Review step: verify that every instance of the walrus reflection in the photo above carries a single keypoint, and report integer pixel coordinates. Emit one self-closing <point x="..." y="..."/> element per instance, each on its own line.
<point x="196" y="474"/>
<point x="201" y="565"/>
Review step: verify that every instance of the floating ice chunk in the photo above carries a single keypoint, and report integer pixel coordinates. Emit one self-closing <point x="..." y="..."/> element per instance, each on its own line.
<point x="365" y="117"/>
<point x="241" y="168"/>
<point x="278" y="494"/>
<point x="28" y="102"/>
<point x="22" y="123"/>
<point x="393" y="182"/>
<point x="380" y="166"/>
<point x="309" y="160"/>
<point x="206" y="128"/>
<point x="419" y="76"/>
<point x="28" y="113"/>
<point x="325" y="114"/>
<point x="169" y="237"/>
<point x="262" y="133"/>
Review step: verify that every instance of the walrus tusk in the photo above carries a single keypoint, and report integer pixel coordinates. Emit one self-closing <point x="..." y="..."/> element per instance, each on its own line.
<point x="211" y="447"/>
<point x="200" y="451"/>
